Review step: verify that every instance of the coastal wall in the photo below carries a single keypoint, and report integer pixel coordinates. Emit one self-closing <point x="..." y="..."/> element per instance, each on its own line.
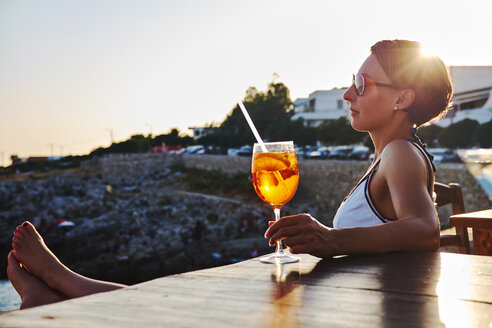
<point x="321" y="180"/>
<point x="323" y="183"/>
<point x="128" y="168"/>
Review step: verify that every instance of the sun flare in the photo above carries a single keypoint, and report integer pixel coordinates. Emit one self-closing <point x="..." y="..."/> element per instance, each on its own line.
<point x="430" y="50"/>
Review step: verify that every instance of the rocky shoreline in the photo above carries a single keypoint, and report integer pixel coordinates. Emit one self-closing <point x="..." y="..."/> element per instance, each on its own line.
<point x="152" y="225"/>
<point x="129" y="233"/>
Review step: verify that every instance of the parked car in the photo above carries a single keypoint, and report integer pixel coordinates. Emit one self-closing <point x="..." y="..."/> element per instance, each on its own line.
<point x="306" y="152"/>
<point x="318" y="153"/>
<point x="176" y="151"/>
<point x="314" y="153"/>
<point x="232" y="151"/>
<point x="360" y="153"/>
<point x="340" y="152"/>
<point x="195" y="150"/>
<point x="325" y="151"/>
<point x="245" y="151"/>
<point x="443" y="155"/>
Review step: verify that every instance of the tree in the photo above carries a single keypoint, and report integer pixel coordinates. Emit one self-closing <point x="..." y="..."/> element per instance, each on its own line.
<point x="458" y="135"/>
<point x="173" y="138"/>
<point x="483" y="135"/>
<point x="339" y="132"/>
<point x="429" y="134"/>
<point x="141" y="144"/>
<point x="293" y="130"/>
<point x="269" y="110"/>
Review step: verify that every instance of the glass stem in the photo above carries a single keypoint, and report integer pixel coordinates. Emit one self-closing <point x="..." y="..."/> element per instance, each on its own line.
<point x="280" y="249"/>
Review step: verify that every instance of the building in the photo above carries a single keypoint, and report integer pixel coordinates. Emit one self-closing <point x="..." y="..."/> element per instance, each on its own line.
<point x="321" y="106"/>
<point x="199" y="132"/>
<point x="472" y="95"/>
<point x="471" y="99"/>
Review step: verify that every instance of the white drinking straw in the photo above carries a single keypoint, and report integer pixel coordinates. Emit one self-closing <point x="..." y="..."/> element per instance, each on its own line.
<point x="258" y="139"/>
<point x="252" y="126"/>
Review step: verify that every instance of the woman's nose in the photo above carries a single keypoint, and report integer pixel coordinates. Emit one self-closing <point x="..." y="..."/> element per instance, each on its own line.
<point x="349" y="94"/>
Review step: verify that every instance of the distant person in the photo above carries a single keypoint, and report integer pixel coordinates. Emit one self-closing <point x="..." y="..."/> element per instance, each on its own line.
<point x="395" y="91"/>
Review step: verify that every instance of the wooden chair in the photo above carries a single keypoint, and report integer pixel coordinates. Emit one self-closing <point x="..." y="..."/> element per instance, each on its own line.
<point x="481" y="223"/>
<point x="451" y="194"/>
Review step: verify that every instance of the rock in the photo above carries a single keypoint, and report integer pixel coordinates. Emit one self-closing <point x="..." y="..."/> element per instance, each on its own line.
<point x="154" y="215"/>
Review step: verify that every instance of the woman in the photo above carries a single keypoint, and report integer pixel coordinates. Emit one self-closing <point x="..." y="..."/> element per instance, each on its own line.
<point x="395" y="91"/>
<point x="391" y="209"/>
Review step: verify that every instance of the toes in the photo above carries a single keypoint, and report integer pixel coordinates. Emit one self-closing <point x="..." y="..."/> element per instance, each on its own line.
<point x="26" y="229"/>
<point x="13" y="262"/>
<point x="20" y="232"/>
<point x="13" y="266"/>
<point x="14" y="251"/>
<point x="11" y="259"/>
<point x="30" y="229"/>
<point x="17" y="239"/>
<point x="16" y="245"/>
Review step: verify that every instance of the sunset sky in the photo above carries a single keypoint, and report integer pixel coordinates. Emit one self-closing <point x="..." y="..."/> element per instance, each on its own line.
<point x="72" y="70"/>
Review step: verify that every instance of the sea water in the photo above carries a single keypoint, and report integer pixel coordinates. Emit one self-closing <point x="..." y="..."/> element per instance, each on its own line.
<point x="9" y="299"/>
<point x="479" y="164"/>
<point x="485" y="180"/>
<point x="483" y="175"/>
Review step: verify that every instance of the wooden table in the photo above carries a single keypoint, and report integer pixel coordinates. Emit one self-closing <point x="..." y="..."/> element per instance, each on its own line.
<point x="386" y="290"/>
<point x="481" y="222"/>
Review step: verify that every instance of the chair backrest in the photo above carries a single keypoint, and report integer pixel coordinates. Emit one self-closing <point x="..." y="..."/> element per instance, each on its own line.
<point x="452" y="194"/>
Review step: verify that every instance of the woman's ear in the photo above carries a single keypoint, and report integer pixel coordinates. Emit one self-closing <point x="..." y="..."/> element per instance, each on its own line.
<point x="405" y="99"/>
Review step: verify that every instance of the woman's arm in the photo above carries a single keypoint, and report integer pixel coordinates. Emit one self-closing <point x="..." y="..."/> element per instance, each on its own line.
<point x="417" y="228"/>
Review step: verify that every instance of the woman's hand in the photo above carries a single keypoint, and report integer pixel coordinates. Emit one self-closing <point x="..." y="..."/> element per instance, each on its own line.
<point x="303" y="234"/>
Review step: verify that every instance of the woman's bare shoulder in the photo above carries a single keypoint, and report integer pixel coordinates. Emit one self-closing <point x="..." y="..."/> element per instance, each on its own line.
<point x="401" y="156"/>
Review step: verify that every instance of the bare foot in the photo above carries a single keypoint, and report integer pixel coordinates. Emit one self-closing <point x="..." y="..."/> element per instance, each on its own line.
<point x="33" y="292"/>
<point x="31" y="251"/>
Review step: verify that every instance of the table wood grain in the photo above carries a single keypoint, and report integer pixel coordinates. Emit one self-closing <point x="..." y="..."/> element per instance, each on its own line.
<point x="480" y="219"/>
<point x="385" y="290"/>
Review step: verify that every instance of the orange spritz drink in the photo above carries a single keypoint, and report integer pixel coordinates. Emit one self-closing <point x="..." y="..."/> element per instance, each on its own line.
<point x="275" y="175"/>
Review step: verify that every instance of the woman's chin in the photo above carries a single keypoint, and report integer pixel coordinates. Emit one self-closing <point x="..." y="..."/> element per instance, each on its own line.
<point x="356" y="126"/>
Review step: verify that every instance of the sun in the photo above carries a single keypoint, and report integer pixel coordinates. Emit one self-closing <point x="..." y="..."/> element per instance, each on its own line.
<point x="426" y="51"/>
<point x="430" y="50"/>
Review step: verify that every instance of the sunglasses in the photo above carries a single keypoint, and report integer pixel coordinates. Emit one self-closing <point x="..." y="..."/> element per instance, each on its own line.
<point x="360" y="81"/>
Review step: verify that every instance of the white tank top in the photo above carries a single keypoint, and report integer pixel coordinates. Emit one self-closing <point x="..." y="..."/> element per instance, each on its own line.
<point x="358" y="210"/>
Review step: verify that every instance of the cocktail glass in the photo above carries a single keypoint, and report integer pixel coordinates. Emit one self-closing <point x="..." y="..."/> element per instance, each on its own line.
<point x="275" y="175"/>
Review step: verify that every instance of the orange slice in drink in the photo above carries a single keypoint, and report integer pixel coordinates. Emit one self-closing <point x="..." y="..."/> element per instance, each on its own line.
<point x="271" y="162"/>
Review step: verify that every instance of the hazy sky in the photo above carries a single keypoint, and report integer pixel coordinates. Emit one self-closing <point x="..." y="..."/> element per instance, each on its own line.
<point x="72" y="70"/>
